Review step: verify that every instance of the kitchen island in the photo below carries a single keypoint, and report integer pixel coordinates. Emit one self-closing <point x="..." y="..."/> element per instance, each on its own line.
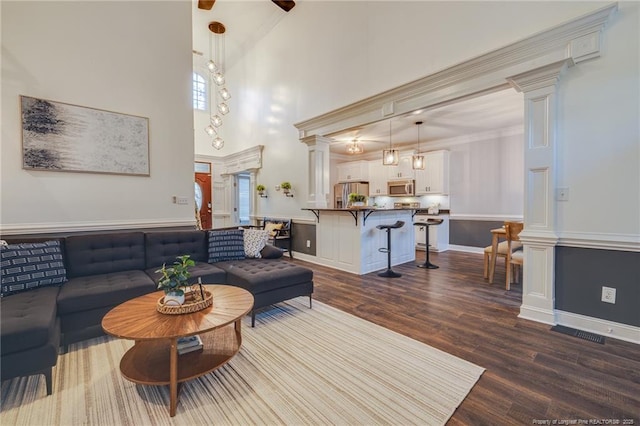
<point x="347" y="239"/>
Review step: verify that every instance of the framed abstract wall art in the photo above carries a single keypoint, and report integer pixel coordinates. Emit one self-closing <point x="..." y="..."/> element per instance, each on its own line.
<point x="62" y="137"/>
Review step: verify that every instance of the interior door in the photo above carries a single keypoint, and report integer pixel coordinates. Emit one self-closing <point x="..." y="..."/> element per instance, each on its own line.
<point x="203" y="184"/>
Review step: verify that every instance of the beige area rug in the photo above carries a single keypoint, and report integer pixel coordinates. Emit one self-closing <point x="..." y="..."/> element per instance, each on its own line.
<point x="298" y="366"/>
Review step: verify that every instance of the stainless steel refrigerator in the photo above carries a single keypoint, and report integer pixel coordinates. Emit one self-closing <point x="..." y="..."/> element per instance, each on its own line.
<point x="341" y="192"/>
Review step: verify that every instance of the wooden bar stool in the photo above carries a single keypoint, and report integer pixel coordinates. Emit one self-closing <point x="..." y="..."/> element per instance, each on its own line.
<point x="389" y="273"/>
<point x="427" y="224"/>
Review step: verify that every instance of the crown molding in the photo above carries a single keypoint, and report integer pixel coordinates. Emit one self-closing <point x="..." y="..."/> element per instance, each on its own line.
<point x="574" y="41"/>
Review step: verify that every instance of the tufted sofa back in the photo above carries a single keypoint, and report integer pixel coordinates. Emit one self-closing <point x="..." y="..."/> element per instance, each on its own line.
<point x="165" y="246"/>
<point x="104" y="253"/>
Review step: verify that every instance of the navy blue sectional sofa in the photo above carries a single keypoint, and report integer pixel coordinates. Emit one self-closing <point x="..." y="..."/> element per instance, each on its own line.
<point x="106" y="269"/>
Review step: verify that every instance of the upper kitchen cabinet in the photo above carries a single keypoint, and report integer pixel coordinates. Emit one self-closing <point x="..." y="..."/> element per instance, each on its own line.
<point x="402" y="171"/>
<point x="377" y="178"/>
<point x="353" y="171"/>
<point x="434" y="179"/>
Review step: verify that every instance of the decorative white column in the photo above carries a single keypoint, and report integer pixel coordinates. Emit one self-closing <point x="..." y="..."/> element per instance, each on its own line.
<point x="539" y="237"/>
<point x="319" y="170"/>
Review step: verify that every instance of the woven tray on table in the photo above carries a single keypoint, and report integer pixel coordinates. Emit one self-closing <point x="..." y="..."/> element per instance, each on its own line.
<point x="193" y="303"/>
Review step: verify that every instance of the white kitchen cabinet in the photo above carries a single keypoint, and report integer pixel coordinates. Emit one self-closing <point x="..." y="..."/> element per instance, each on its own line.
<point x="377" y="178"/>
<point x="402" y="171"/>
<point x="438" y="234"/>
<point x="434" y="179"/>
<point x="353" y="171"/>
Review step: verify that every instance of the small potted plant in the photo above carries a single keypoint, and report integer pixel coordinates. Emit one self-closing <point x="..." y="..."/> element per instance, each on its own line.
<point x="286" y="187"/>
<point x="356" y="200"/>
<point x="174" y="279"/>
<point x="260" y="189"/>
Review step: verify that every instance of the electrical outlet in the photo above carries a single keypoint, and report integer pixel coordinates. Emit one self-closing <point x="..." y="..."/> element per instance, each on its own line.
<point x="308" y="243"/>
<point x="608" y="294"/>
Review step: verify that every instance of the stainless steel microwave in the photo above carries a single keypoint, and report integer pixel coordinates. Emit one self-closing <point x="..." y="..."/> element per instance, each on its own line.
<point x="401" y="188"/>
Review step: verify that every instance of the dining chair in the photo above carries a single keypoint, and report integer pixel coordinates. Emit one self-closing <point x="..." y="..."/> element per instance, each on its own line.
<point x="514" y="259"/>
<point x="502" y="252"/>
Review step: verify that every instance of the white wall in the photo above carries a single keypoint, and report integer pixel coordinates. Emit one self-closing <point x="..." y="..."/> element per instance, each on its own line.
<point x="599" y="110"/>
<point x="300" y="69"/>
<point x="128" y="57"/>
<point x="487" y="177"/>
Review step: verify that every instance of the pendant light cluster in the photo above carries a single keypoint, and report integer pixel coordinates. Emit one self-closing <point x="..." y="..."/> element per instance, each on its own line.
<point x="417" y="160"/>
<point x="390" y="157"/>
<point x="216" y="73"/>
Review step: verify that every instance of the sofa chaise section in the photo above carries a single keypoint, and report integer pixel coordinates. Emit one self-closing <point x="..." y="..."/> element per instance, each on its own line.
<point x="30" y="334"/>
<point x="269" y="280"/>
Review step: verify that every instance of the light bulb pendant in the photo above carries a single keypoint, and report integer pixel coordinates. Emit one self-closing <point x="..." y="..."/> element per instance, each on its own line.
<point x="218" y="143"/>
<point x="216" y="121"/>
<point x="211" y="66"/>
<point x="224" y="94"/>
<point x="417" y="162"/>
<point x="218" y="78"/>
<point x="223" y="108"/>
<point x="390" y="157"/>
<point x="210" y="130"/>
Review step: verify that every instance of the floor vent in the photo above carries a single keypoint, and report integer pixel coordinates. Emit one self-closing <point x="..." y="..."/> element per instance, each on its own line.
<point x="592" y="337"/>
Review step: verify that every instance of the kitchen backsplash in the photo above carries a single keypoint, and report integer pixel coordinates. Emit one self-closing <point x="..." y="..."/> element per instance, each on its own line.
<point x="425" y="201"/>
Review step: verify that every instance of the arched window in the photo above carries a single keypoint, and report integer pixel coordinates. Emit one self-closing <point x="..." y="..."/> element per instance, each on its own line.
<point x="199" y="92"/>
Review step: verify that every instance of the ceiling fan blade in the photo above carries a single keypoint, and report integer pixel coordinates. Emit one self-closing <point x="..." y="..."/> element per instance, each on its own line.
<point x="285" y="5"/>
<point x="205" y="4"/>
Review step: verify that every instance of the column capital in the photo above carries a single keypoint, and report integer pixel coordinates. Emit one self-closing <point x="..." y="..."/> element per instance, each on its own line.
<point x="315" y="140"/>
<point x="538" y="78"/>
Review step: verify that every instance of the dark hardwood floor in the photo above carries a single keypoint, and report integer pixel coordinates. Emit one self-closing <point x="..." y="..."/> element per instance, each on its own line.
<point x="531" y="374"/>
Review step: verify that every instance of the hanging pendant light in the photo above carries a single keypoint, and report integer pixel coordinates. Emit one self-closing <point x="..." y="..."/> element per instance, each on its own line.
<point x="210" y="130"/>
<point x="417" y="160"/>
<point x="218" y="142"/>
<point x="224" y="94"/>
<point x="216" y="121"/>
<point x="390" y="157"/>
<point x="223" y="108"/>
<point x="216" y="69"/>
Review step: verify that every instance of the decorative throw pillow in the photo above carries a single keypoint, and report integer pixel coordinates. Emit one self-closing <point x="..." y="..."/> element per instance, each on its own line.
<point x="272" y="228"/>
<point x="254" y="241"/>
<point x="226" y="245"/>
<point x="31" y="265"/>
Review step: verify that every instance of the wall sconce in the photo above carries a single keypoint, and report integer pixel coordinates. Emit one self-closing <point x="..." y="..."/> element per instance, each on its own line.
<point x="262" y="191"/>
<point x="286" y="189"/>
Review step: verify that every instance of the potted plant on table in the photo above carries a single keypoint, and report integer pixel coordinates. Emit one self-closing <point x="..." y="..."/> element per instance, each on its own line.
<point x="356" y="200"/>
<point x="174" y="279"/>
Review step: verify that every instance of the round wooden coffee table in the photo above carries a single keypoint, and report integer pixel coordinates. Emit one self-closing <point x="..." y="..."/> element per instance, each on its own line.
<point x="153" y="360"/>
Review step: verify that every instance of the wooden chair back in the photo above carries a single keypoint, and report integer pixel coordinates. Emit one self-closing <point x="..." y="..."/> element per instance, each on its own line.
<point x="512" y="230"/>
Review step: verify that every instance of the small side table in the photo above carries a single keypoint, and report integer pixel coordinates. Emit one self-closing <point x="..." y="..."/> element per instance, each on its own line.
<point x="427" y="224"/>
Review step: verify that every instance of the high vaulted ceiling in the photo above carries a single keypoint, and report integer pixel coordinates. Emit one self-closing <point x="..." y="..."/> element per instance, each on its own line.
<point x="247" y="22"/>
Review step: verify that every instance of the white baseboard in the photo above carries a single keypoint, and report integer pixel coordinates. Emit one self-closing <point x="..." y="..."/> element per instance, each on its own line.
<point x="466" y="249"/>
<point x="315" y="260"/>
<point x="606" y="328"/>
<point x="533" y="313"/>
